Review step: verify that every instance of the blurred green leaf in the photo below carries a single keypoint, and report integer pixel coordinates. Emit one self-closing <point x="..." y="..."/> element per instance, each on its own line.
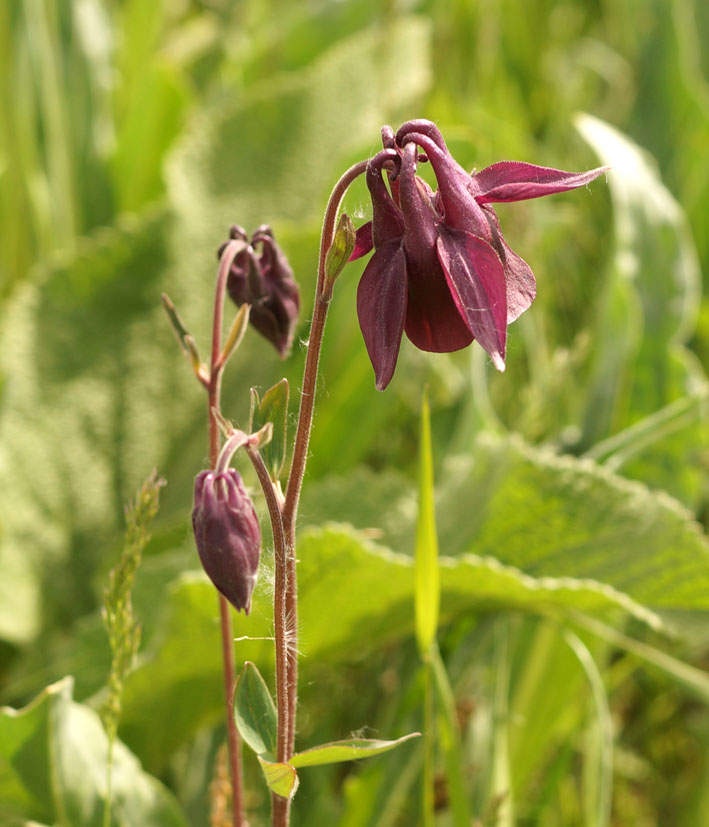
<point x="648" y="313"/>
<point x="426" y="574"/>
<point x="598" y="754"/>
<point x="53" y="767"/>
<point x="545" y="514"/>
<point x="85" y="410"/>
<point x="695" y="681"/>
<point x="274" y="155"/>
<point x="255" y="712"/>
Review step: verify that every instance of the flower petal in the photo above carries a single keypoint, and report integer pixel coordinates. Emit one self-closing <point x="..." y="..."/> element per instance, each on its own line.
<point x="517" y="181"/>
<point x="363" y="242"/>
<point x="476" y="278"/>
<point x="419" y="213"/>
<point x="381" y="308"/>
<point x="521" y="284"/>
<point x="433" y="320"/>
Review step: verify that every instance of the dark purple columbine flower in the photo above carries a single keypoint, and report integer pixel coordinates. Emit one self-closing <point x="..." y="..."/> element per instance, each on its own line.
<point x="441" y="270"/>
<point x="264" y="279"/>
<point x="227" y="534"/>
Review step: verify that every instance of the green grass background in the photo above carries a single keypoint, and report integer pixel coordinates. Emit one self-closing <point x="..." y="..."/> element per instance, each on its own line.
<point x="571" y="491"/>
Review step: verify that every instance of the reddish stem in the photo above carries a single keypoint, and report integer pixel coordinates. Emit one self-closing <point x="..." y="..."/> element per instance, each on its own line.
<point x="302" y="437"/>
<point x="279" y="608"/>
<point x="213" y="405"/>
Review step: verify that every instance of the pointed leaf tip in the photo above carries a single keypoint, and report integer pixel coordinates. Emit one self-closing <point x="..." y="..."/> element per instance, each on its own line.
<point x="350" y="749"/>
<point x="282" y="779"/>
<point x="255" y="712"/>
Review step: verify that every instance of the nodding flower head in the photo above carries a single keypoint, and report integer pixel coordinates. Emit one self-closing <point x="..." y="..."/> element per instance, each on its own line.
<point x="227" y="534"/>
<point x="262" y="277"/>
<point x="441" y="270"/>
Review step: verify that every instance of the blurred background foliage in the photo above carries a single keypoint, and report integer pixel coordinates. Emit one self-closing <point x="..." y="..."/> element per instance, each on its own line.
<point x="571" y="490"/>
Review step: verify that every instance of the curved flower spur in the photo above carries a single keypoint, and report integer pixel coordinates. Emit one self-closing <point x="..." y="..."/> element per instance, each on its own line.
<point x="441" y="270"/>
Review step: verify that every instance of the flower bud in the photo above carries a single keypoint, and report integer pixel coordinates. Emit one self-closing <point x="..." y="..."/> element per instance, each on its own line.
<point x="264" y="279"/>
<point x="227" y="534"/>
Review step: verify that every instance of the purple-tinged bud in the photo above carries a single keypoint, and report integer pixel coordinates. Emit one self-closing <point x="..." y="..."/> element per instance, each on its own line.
<point x="264" y="279"/>
<point x="227" y="534"/>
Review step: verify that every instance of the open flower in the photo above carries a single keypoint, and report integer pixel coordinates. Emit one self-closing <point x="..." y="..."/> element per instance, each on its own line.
<point x="264" y="279"/>
<point x="441" y="270"/>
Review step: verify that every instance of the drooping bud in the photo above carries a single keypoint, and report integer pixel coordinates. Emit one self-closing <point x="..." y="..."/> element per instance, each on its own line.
<point x="227" y="534"/>
<point x="264" y="279"/>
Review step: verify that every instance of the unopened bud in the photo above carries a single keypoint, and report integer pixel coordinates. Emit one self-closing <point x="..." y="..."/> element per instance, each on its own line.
<point x="227" y="534"/>
<point x="343" y="243"/>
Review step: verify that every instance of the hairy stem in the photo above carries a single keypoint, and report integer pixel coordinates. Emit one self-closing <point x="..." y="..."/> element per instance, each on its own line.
<point x="279" y="607"/>
<point x="280" y="805"/>
<point x="302" y="437"/>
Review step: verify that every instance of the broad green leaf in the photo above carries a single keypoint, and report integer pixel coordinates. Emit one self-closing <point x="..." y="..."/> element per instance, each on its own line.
<point x="282" y="779"/>
<point x="53" y="766"/>
<point x="548" y="534"/>
<point x="183" y="652"/>
<point x="313" y="105"/>
<point x="351" y="749"/>
<point x="182" y="660"/>
<point x="427" y="578"/>
<point x="90" y="408"/>
<point x="543" y="514"/>
<point x="255" y="712"/>
<point x="272" y="408"/>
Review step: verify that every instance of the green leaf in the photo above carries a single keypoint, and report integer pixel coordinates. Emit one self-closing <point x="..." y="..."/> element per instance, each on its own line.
<point x="351" y="749"/>
<point x="648" y="314"/>
<point x="82" y="333"/>
<point x="255" y="712"/>
<point x="548" y="516"/>
<point x="523" y="528"/>
<point x="427" y="578"/>
<point x="53" y="767"/>
<point x="282" y="779"/>
<point x="272" y="408"/>
<point x="313" y="104"/>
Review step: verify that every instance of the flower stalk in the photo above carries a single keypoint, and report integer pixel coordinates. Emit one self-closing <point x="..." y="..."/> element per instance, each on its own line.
<point x="213" y="406"/>
<point x="323" y="293"/>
